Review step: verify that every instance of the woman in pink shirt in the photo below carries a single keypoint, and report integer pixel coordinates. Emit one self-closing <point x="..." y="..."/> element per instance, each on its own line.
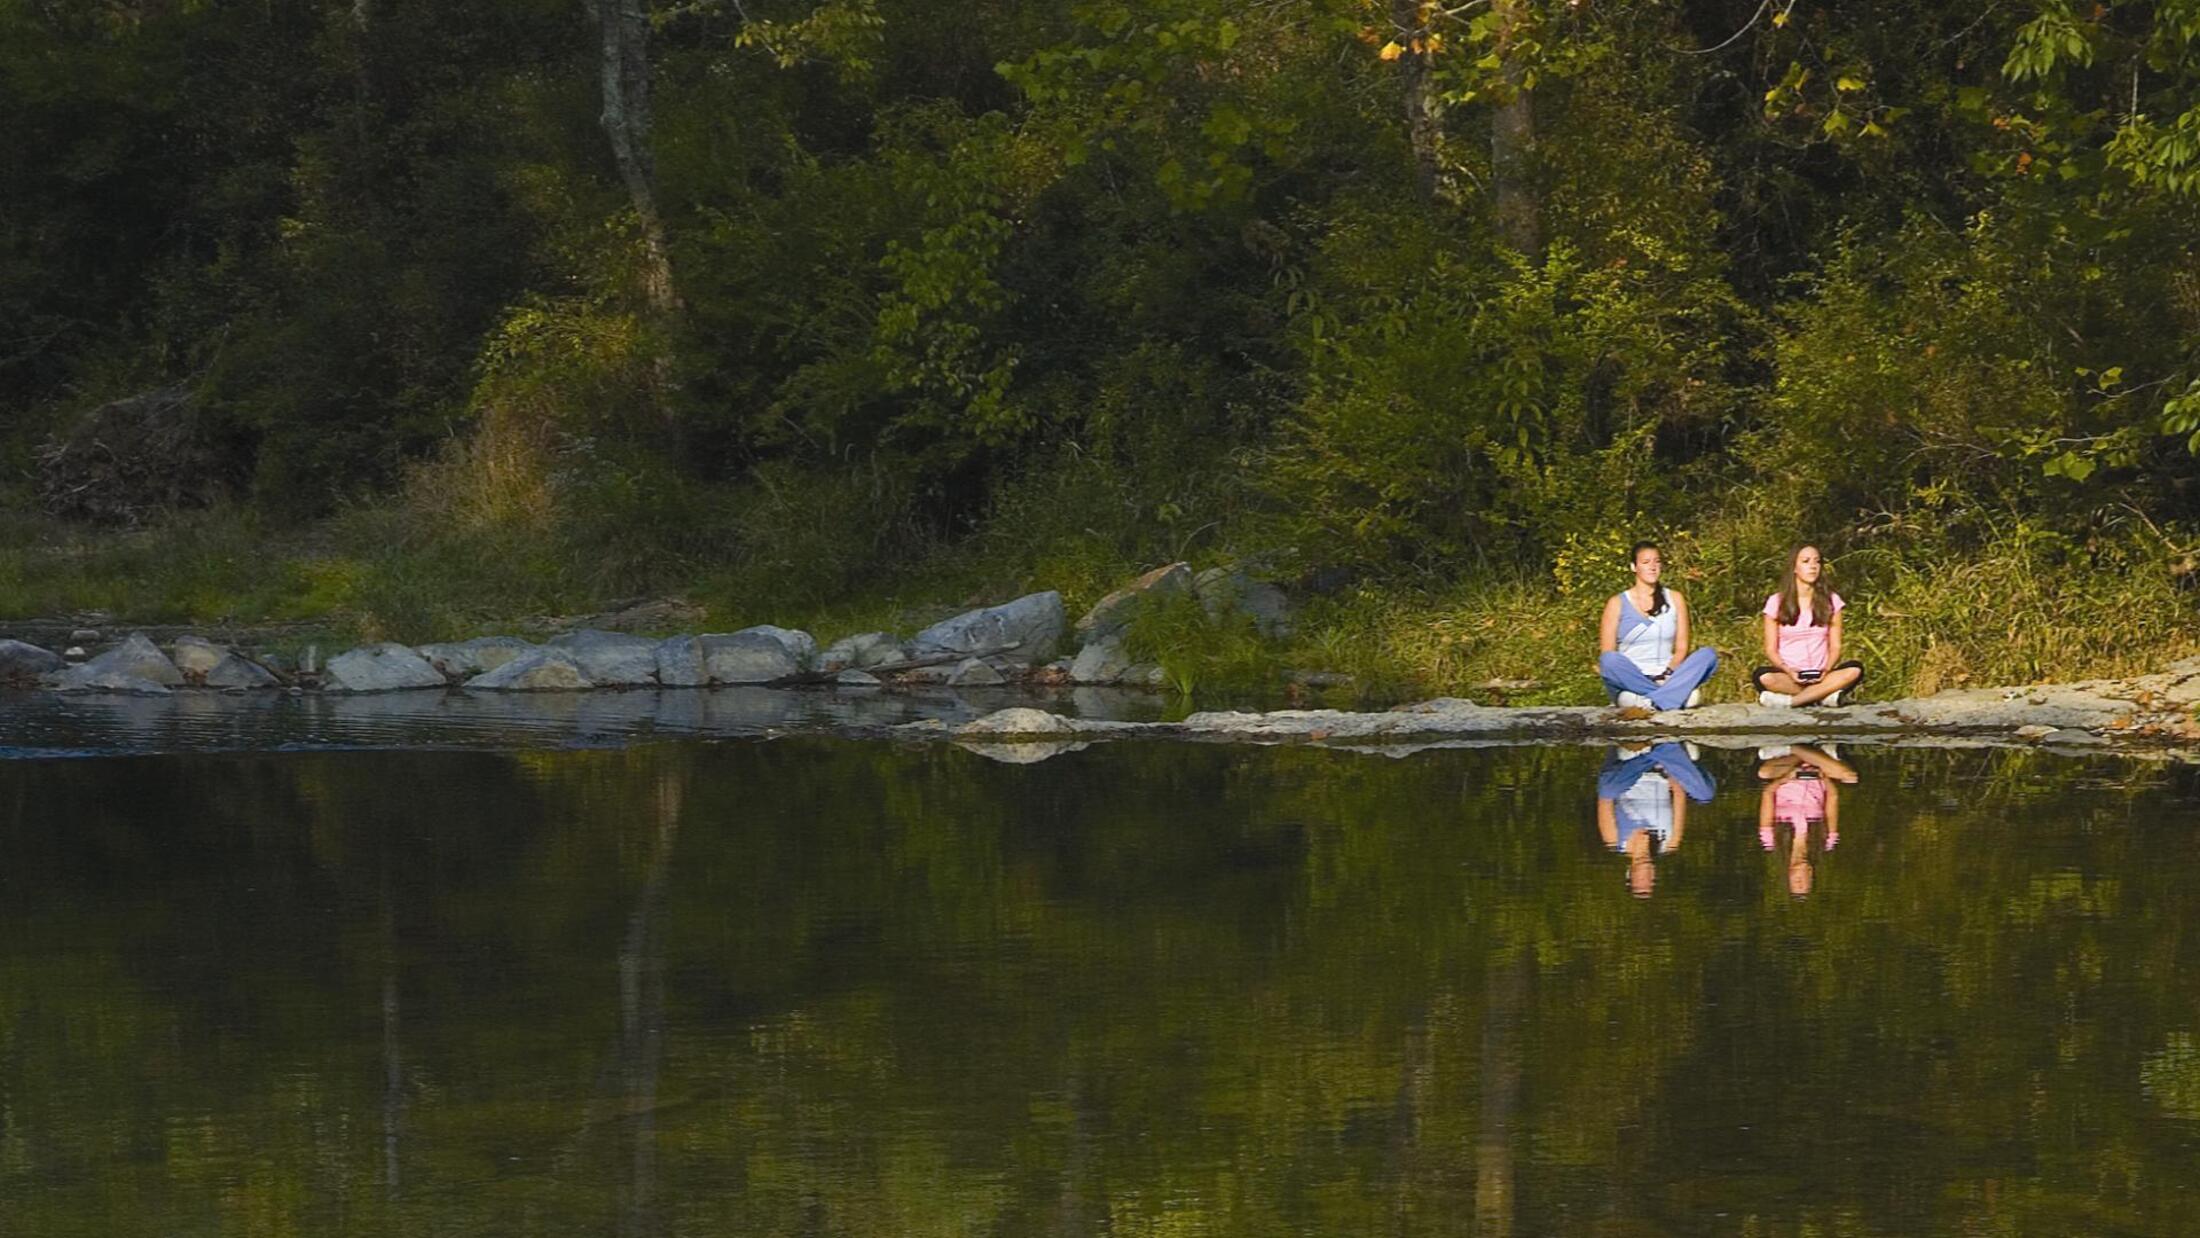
<point x="1803" y="639"/>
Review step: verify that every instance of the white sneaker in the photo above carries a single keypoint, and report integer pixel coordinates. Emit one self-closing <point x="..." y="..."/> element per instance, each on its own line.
<point x="1695" y="698"/>
<point x="1778" y="700"/>
<point x="1633" y="700"/>
<point x="1832" y="699"/>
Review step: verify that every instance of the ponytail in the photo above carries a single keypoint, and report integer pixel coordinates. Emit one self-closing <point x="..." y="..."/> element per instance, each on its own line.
<point x="1657" y="591"/>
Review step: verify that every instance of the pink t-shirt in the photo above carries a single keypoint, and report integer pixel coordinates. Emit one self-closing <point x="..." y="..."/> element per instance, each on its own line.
<point x="1801" y="645"/>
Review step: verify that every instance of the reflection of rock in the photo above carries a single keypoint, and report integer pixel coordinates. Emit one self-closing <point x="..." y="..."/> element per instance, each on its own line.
<point x="611" y="659"/>
<point x="387" y="667"/>
<point x="467" y="658"/>
<point x="1020" y="754"/>
<point x="1114" y="612"/>
<point x="537" y="670"/>
<point x="1026" y="630"/>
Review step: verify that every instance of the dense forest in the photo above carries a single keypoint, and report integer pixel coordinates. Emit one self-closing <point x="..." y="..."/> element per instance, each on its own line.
<point x="421" y="313"/>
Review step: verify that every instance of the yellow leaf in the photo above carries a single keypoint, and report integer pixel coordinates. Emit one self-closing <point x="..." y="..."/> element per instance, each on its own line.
<point x="1780" y="18"/>
<point x="1848" y="84"/>
<point x="1391" y="50"/>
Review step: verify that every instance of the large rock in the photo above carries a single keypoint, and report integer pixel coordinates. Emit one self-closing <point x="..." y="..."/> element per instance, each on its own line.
<point x="537" y="670"/>
<point x="464" y="659"/>
<point x="387" y="667"/>
<point x="1102" y="661"/>
<point x="85" y="679"/>
<point x="682" y="662"/>
<point x="861" y="652"/>
<point x="1025" y="630"/>
<point x="611" y="659"/>
<point x="20" y="661"/>
<point x="748" y="657"/>
<point x="195" y="656"/>
<point x="238" y="671"/>
<point x="136" y="657"/>
<point x="800" y="645"/>
<point x="1231" y="591"/>
<point x="1114" y="612"/>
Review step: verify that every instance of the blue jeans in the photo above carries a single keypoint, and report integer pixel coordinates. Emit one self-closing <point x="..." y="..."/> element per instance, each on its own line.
<point x="1621" y="675"/>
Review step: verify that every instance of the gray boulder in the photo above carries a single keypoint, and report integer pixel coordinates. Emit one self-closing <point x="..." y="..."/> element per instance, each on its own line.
<point x="1114" y="612"/>
<point x="682" y="662"/>
<point x="85" y="679"/>
<point x="1231" y="591"/>
<point x="748" y="657"/>
<point x="136" y="657"/>
<point x="195" y="656"/>
<point x="464" y="659"/>
<point x="237" y="671"/>
<point x="861" y="652"/>
<point x="611" y="659"/>
<point x="20" y="661"/>
<point x="387" y="667"/>
<point x="1025" y="630"/>
<point x="1102" y="661"/>
<point x="537" y="670"/>
<point x="801" y="645"/>
<point x="975" y="674"/>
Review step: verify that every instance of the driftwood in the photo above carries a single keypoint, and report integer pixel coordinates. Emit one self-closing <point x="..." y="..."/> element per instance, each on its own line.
<point x="883" y="668"/>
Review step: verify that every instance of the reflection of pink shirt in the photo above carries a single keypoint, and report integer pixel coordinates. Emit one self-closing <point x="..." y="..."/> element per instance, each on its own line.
<point x="1801" y="645"/>
<point x="1799" y="800"/>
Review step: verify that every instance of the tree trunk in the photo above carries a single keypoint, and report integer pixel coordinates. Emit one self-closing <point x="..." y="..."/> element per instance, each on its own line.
<point x="1512" y="138"/>
<point x="624" y="26"/>
<point x="1496" y="1130"/>
<point x="1423" y="132"/>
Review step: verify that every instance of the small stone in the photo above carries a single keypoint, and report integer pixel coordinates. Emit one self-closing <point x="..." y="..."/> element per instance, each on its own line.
<point x="852" y="678"/>
<point x="2034" y="731"/>
<point x="84" y="636"/>
<point x="74" y="653"/>
<point x="1018" y="722"/>
<point x="975" y="674"/>
<point x="239" y="673"/>
<point x="1102" y="661"/>
<point x="195" y="656"/>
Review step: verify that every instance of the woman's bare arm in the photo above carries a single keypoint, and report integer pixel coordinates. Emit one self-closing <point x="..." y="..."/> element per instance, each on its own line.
<point x="1608" y="631"/>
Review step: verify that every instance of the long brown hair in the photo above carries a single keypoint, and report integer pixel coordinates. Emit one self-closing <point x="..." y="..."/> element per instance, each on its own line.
<point x="1657" y="591"/>
<point x="1791" y="599"/>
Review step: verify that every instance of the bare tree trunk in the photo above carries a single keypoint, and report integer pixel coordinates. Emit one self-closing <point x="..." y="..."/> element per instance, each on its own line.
<point x="624" y="26"/>
<point x="1512" y="138"/>
<point x="1424" y="132"/>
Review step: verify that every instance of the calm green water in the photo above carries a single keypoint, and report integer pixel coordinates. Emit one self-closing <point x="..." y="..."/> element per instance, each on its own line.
<point x="829" y="987"/>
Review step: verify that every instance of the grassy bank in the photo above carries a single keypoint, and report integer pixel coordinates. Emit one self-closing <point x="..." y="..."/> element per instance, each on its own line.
<point x="2024" y="606"/>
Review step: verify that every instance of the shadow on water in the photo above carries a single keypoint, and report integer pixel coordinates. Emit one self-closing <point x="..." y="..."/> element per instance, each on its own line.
<point x="827" y="986"/>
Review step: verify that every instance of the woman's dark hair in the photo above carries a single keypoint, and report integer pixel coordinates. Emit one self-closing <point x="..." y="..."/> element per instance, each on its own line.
<point x="1791" y="597"/>
<point x="1657" y="591"/>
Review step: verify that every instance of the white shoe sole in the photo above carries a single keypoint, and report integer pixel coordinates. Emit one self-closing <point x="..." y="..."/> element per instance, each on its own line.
<point x="1778" y="700"/>
<point x="1632" y="700"/>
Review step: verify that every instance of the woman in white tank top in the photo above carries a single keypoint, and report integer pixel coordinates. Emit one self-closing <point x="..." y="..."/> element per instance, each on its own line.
<point x="1646" y="662"/>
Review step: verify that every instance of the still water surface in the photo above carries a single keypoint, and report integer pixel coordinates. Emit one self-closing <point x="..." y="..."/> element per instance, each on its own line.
<point x="817" y="986"/>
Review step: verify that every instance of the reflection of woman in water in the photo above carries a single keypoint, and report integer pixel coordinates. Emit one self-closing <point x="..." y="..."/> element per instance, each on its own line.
<point x="1803" y="794"/>
<point x="1642" y="806"/>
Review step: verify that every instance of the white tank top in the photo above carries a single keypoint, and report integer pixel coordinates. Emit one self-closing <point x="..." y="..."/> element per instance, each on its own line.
<point x="1645" y="640"/>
